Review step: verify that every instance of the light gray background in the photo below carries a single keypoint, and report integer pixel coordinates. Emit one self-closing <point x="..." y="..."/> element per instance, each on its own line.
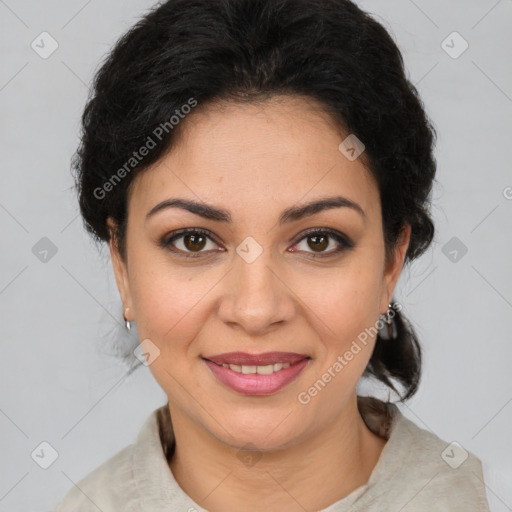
<point x="56" y="382"/>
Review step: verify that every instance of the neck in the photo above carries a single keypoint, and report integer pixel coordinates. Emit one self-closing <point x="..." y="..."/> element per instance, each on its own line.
<point x="310" y="475"/>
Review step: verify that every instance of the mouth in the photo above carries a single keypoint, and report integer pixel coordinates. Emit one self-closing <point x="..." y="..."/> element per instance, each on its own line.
<point x="257" y="374"/>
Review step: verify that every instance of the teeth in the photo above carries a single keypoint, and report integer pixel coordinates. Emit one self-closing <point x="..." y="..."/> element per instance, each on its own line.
<point x="260" y="370"/>
<point x="265" y="370"/>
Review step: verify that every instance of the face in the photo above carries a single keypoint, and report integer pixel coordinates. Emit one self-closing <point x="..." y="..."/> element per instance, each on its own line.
<point x="257" y="272"/>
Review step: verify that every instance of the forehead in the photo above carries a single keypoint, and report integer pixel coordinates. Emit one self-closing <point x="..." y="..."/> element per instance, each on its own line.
<point x="284" y="150"/>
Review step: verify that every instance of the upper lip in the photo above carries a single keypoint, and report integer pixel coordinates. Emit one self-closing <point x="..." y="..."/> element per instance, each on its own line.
<point x="245" y="359"/>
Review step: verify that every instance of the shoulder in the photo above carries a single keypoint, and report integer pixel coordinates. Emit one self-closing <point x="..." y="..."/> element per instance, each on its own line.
<point x="112" y="486"/>
<point x="417" y="470"/>
<point x="426" y="471"/>
<point x="107" y="487"/>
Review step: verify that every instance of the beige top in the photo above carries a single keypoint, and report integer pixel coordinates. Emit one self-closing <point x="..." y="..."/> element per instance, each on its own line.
<point x="416" y="472"/>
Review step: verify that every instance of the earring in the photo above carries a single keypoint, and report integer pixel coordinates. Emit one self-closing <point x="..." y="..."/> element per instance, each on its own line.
<point x="127" y="323"/>
<point x="388" y="330"/>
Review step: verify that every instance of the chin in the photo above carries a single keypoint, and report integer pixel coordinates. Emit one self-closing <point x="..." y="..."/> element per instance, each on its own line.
<point x="263" y="432"/>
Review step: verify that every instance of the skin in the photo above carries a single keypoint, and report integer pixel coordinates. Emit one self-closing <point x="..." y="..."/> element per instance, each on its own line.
<point x="256" y="160"/>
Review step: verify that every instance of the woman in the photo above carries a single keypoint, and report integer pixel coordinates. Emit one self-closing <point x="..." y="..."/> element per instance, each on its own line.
<point x="261" y="171"/>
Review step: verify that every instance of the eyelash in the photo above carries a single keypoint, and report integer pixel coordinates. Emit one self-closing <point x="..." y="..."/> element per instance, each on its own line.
<point x="166" y="241"/>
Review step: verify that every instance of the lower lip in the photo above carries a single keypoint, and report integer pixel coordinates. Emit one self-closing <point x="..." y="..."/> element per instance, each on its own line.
<point x="253" y="383"/>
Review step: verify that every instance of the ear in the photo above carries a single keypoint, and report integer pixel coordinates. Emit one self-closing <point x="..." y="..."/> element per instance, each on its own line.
<point x="394" y="266"/>
<point x="120" y="271"/>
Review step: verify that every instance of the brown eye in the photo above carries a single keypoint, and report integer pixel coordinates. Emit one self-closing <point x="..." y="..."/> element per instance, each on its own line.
<point x="194" y="242"/>
<point x="318" y="243"/>
<point x="323" y="242"/>
<point x="190" y="243"/>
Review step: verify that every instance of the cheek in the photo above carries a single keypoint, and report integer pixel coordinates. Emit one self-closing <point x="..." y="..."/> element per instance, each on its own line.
<point x="170" y="306"/>
<point x="342" y="312"/>
<point x="171" y="309"/>
<point x="344" y="301"/>
<point x="342" y="308"/>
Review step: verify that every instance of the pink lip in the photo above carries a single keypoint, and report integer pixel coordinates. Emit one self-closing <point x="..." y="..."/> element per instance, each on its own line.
<point x="255" y="384"/>
<point x="243" y="358"/>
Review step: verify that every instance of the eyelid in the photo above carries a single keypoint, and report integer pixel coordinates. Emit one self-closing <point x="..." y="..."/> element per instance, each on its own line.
<point x="166" y="241"/>
<point x="339" y="237"/>
<point x="326" y="231"/>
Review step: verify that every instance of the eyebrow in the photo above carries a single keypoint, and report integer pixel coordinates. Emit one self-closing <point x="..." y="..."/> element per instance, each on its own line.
<point x="289" y="215"/>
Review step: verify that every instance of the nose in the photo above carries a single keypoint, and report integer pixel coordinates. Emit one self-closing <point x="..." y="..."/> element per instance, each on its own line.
<point x="256" y="298"/>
